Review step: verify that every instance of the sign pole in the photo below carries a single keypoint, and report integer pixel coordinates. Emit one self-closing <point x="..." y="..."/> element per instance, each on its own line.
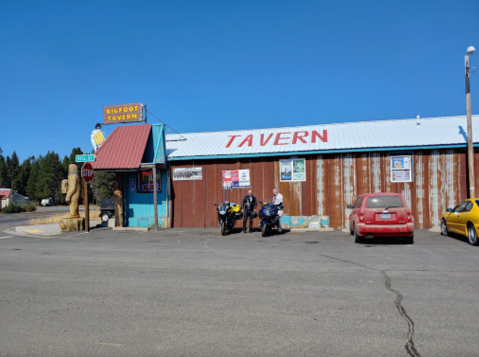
<point x="87" y="210"/>
<point x="155" y="197"/>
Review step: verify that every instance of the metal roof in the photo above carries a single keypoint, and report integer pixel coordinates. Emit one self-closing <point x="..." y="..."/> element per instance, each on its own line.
<point x="355" y="136"/>
<point x="123" y="149"/>
<point x="5" y="192"/>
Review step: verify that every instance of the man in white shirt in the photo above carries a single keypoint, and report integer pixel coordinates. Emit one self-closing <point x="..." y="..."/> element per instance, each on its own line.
<point x="278" y="201"/>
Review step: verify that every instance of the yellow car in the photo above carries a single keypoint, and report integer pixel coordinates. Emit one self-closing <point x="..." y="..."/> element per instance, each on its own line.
<point x="462" y="219"/>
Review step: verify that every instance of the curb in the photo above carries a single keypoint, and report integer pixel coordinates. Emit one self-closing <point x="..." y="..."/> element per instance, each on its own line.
<point x="310" y="229"/>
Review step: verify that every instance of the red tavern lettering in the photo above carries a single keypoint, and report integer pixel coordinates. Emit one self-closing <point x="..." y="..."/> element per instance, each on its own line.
<point x="231" y="140"/>
<point x="299" y="135"/>
<point x="323" y="138"/>
<point x="249" y="140"/>
<point x="281" y="138"/>
<point x="262" y="142"/>
<point x="278" y="138"/>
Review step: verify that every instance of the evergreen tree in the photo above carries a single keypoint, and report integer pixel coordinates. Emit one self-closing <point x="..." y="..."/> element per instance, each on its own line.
<point x="3" y="170"/>
<point x="21" y="180"/>
<point x="13" y="171"/>
<point x="33" y="179"/>
<point x="103" y="186"/>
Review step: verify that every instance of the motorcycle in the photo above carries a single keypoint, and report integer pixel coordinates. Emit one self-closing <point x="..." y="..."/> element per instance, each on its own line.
<point x="268" y="217"/>
<point x="228" y="214"/>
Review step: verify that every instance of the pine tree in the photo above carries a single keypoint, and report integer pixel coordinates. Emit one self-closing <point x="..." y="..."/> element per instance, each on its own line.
<point x="103" y="186"/>
<point x="3" y="170"/>
<point x="14" y="170"/>
<point x="33" y="178"/>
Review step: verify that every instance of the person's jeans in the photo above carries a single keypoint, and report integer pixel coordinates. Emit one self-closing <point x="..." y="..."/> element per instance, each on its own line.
<point x="248" y="214"/>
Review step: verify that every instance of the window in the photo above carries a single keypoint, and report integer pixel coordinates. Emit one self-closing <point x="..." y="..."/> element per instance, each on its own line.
<point x="401" y="168"/>
<point x="460" y="207"/>
<point x="145" y="181"/>
<point x="384" y="201"/>
<point x="292" y="170"/>
<point x="468" y="206"/>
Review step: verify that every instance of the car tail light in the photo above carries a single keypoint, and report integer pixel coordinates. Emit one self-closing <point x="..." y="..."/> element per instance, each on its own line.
<point x="408" y="215"/>
<point x="361" y="214"/>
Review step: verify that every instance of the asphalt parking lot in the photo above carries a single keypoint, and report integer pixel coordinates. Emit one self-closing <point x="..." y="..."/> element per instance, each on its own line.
<point x="192" y="292"/>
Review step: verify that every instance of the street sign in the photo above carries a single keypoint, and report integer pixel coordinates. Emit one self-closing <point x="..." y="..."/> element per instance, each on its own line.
<point x="85" y="158"/>
<point x="87" y="172"/>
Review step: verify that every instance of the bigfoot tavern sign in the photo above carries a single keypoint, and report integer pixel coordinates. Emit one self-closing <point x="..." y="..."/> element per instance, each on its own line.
<point x="123" y="113"/>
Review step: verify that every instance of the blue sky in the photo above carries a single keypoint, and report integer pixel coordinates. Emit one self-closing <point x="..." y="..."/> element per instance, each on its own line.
<point x="226" y="65"/>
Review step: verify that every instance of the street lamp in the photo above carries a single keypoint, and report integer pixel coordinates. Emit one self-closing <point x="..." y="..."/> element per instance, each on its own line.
<point x="470" y="148"/>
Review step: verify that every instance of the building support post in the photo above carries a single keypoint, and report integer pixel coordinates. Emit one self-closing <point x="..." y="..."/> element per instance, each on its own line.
<point x="470" y="141"/>
<point x="155" y="197"/>
<point x="87" y="208"/>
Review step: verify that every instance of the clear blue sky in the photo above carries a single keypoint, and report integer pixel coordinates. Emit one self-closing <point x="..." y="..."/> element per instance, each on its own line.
<point x="227" y="64"/>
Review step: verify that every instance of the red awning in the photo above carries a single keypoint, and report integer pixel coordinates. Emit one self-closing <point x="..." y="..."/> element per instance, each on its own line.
<point x="123" y="149"/>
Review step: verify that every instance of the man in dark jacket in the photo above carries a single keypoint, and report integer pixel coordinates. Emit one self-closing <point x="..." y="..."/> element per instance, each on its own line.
<point x="249" y="206"/>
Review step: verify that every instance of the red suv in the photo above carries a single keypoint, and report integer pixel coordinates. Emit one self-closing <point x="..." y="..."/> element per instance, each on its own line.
<point x="381" y="214"/>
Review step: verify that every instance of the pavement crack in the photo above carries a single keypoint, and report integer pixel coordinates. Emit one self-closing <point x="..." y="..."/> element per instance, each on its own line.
<point x="410" y="347"/>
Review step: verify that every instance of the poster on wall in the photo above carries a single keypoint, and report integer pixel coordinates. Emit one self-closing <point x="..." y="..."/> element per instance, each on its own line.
<point x="236" y="179"/>
<point x="132" y="185"/>
<point x="285" y="170"/>
<point x="292" y="170"/>
<point x="190" y="173"/>
<point x="401" y="168"/>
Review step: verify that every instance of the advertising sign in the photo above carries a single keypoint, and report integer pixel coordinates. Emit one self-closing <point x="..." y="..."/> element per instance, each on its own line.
<point x="401" y="168"/>
<point x="292" y="170"/>
<point x="299" y="170"/>
<point x="191" y="173"/>
<point x="236" y="179"/>
<point x="97" y="138"/>
<point x="123" y="113"/>
<point x="145" y="181"/>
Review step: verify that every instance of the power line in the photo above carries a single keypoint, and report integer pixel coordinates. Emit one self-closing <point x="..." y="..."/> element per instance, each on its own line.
<point x="161" y="121"/>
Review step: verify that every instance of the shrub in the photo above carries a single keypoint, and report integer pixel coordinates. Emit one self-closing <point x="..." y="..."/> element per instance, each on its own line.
<point x="13" y="208"/>
<point x="30" y="207"/>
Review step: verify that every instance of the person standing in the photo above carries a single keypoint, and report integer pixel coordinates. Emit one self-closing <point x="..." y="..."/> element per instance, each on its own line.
<point x="278" y="200"/>
<point x="249" y="206"/>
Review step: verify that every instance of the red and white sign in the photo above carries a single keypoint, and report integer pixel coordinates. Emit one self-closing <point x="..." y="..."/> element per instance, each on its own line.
<point x="236" y="179"/>
<point x="282" y="138"/>
<point x="87" y="172"/>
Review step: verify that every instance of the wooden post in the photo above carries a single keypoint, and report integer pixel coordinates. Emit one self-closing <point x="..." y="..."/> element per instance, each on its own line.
<point x="155" y="197"/>
<point x="87" y="209"/>
<point x="119" y="200"/>
<point x="470" y="147"/>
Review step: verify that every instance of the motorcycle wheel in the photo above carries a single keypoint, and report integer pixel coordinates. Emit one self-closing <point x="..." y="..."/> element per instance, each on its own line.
<point x="264" y="230"/>
<point x="223" y="228"/>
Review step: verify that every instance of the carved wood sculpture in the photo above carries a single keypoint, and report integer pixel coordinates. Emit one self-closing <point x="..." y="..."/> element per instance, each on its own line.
<point x="119" y="214"/>
<point x="72" y="221"/>
<point x="73" y="191"/>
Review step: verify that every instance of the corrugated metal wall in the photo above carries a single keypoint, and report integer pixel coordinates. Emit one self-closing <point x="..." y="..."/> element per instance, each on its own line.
<point x="333" y="181"/>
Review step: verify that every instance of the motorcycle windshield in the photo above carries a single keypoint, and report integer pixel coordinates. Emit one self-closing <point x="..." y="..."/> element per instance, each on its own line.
<point x="269" y="209"/>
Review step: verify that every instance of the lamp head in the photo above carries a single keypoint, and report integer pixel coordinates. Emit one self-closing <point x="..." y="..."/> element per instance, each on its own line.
<point x="470" y="50"/>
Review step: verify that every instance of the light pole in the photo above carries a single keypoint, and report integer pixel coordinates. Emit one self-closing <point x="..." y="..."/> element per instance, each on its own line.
<point x="470" y="148"/>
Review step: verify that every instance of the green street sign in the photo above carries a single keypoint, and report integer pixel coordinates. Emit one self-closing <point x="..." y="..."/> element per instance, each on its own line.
<point x="85" y="158"/>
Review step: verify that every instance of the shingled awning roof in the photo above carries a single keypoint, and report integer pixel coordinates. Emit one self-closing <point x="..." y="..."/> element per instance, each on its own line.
<point x="123" y="149"/>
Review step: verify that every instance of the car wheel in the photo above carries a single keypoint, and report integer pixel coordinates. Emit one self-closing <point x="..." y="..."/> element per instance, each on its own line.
<point x="472" y="235"/>
<point x="357" y="238"/>
<point x="351" y="231"/>
<point x="105" y="217"/>
<point x="444" y="231"/>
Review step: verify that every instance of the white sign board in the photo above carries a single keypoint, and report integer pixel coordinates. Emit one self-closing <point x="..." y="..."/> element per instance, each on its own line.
<point x="190" y="173"/>
<point x="401" y="168"/>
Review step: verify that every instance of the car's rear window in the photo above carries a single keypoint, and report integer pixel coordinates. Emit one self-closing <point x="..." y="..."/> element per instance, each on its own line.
<point x="384" y="201"/>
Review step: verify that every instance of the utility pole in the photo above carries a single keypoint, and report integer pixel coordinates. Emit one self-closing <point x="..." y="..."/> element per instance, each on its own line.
<point x="470" y="141"/>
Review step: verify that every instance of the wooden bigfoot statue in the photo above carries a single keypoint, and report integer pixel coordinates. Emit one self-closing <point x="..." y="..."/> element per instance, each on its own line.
<point x="73" y="191"/>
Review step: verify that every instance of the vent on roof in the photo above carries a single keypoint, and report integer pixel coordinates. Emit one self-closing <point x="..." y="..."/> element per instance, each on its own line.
<point x="417" y="120"/>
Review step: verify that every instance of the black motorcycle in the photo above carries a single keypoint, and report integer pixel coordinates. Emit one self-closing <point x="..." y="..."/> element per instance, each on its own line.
<point x="268" y="217"/>
<point x="228" y="214"/>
